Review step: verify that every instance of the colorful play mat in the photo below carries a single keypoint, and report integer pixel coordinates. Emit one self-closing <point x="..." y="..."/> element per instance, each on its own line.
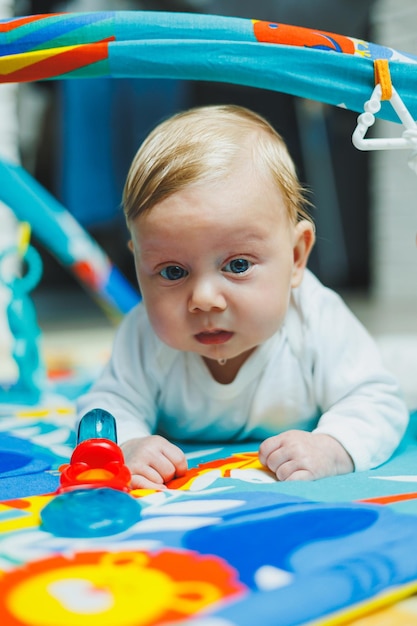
<point x="227" y="545"/>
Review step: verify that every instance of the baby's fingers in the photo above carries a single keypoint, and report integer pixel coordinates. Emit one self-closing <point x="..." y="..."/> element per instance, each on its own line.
<point x="282" y="465"/>
<point x="141" y="482"/>
<point x="301" y="474"/>
<point x="177" y="461"/>
<point x="268" y="447"/>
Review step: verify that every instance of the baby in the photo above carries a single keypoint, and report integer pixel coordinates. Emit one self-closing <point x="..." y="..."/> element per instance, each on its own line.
<point x="235" y="339"/>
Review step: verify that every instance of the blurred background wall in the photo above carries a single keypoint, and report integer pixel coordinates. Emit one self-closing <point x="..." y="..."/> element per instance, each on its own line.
<point x="393" y="185"/>
<point x="9" y="149"/>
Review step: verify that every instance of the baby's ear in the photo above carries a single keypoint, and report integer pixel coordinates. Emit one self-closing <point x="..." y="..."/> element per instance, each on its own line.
<point x="130" y="245"/>
<point x="304" y="239"/>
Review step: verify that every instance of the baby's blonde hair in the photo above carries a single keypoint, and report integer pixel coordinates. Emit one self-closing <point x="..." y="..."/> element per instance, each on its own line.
<point x="202" y="144"/>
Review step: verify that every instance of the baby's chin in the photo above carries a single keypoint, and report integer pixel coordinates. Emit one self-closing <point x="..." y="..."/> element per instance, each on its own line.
<point x="238" y="356"/>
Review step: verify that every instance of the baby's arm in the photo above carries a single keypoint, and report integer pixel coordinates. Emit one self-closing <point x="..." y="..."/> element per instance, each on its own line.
<point x="362" y="414"/>
<point x="153" y="461"/>
<point x="301" y="455"/>
<point x="128" y="388"/>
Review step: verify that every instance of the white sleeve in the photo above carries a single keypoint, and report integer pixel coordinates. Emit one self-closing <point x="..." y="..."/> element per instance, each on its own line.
<point x="127" y="388"/>
<point x="359" y="399"/>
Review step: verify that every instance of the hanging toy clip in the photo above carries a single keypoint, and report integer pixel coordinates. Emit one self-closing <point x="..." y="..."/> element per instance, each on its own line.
<point x="384" y="90"/>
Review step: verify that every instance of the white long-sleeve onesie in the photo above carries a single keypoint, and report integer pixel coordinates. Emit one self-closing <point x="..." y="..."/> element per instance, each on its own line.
<point x="321" y="372"/>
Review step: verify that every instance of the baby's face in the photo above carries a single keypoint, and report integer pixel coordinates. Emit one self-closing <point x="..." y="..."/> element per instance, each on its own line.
<point x="216" y="263"/>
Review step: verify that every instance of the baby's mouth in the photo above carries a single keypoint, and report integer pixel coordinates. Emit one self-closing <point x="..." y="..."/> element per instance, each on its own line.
<point x="214" y="337"/>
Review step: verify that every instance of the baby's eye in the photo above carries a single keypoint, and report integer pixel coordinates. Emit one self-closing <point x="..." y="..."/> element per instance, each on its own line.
<point x="173" y="272"/>
<point x="237" y="266"/>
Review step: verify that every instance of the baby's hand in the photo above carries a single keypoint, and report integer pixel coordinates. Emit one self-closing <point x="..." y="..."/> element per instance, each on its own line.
<point x="153" y="461"/>
<point x="300" y="455"/>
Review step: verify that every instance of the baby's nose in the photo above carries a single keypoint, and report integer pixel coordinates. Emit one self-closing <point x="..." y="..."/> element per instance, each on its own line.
<point x="206" y="296"/>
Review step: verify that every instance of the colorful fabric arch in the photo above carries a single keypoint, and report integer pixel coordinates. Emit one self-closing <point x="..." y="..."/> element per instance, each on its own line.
<point x="334" y="69"/>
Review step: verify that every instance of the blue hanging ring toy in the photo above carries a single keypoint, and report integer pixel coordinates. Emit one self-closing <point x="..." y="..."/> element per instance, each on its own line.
<point x="33" y="274"/>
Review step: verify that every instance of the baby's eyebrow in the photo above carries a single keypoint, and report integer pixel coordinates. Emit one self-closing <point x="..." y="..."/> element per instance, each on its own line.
<point x="245" y="236"/>
<point x="149" y="251"/>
